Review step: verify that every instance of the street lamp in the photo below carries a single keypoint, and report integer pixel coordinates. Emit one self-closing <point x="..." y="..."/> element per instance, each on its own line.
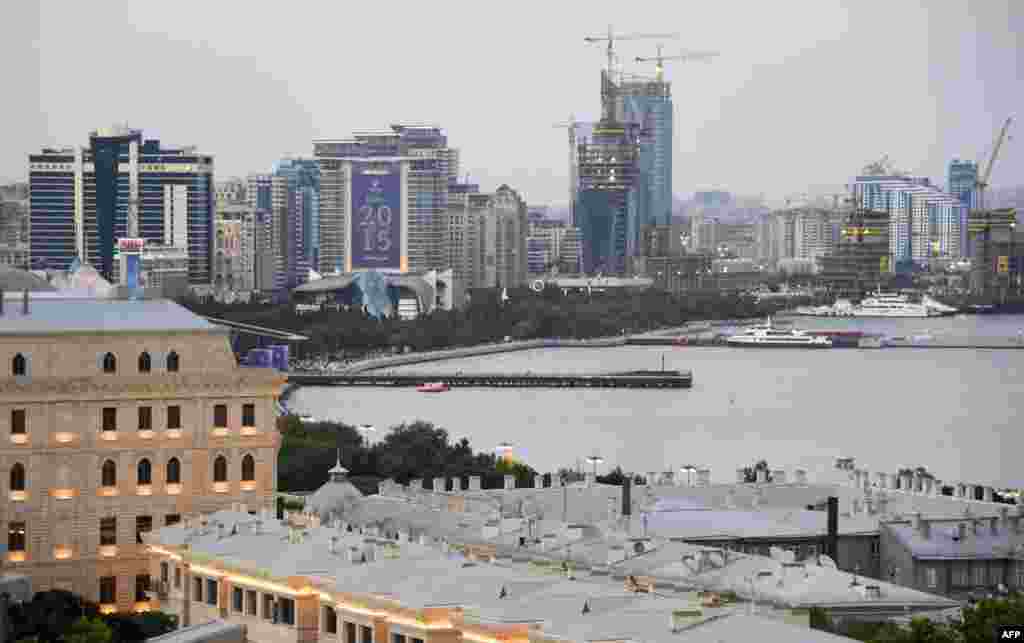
<point x="595" y="460"/>
<point x="504" y="450"/>
<point x="688" y="469"/>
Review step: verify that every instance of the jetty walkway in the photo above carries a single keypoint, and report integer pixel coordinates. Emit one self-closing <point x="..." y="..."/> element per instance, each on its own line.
<point x="630" y="379"/>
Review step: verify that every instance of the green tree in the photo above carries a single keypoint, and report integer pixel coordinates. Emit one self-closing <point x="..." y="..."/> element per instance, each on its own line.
<point x="89" y="630"/>
<point x="980" y="620"/>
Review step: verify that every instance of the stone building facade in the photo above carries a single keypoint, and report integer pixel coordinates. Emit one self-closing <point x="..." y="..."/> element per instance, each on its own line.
<point x="119" y="417"/>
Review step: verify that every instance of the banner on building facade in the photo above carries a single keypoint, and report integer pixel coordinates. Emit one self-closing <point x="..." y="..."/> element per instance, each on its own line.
<point x="376" y="217"/>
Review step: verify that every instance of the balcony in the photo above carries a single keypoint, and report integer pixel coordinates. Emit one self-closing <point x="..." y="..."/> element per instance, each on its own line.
<point x="16" y="556"/>
<point x="107" y="492"/>
<point x="172" y="434"/>
<point x="108" y="608"/>
<point x="18" y="496"/>
<point x="220" y="432"/>
<point x="221" y="487"/>
<point x="146" y="434"/>
<point x="144" y="490"/>
<point x="173" y="488"/>
<point x="248" y="485"/>
<point x="108" y="551"/>
<point x="248" y="431"/>
<point x="109" y="436"/>
<point x="63" y="552"/>
<point x="63" y="493"/>
<point x="142" y="606"/>
<point x="63" y="437"/>
<point x="19" y="438"/>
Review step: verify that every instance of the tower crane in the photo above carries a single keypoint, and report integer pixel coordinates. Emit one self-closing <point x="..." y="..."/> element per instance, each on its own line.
<point x="982" y="183"/>
<point x="659" y="60"/>
<point x="607" y="87"/>
<point x="570" y="126"/>
<point x="983" y="218"/>
<point x="611" y="38"/>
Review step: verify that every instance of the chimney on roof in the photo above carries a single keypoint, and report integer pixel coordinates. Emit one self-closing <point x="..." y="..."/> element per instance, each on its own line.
<point x="24" y="303"/>
<point x="626" y="496"/>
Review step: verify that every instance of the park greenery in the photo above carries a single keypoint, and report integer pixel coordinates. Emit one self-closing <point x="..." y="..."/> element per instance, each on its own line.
<point x="526" y="315"/>
<point x="977" y="625"/>
<point x="58" y="616"/>
<point x="416" y="450"/>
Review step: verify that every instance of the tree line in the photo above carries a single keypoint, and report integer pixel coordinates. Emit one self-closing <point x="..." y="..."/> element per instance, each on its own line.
<point x="417" y="450"/>
<point x="978" y="624"/>
<point x="526" y="315"/>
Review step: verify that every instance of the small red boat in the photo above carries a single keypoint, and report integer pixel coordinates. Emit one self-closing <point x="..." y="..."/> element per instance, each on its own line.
<point x="432" y="387"/>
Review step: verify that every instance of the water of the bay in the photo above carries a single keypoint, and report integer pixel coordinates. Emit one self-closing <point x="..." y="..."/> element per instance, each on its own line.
<point x="954" y="411"/>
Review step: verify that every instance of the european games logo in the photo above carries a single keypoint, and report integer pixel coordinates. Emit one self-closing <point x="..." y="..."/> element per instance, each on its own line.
<point x="376" y="193"/>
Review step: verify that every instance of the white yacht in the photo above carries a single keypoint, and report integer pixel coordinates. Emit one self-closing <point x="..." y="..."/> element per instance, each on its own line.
<point x="881" y="304"/>
<point x="768" y="337"/>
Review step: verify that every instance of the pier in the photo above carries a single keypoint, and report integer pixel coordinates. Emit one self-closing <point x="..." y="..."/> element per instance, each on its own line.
<point x="631" y="379"/>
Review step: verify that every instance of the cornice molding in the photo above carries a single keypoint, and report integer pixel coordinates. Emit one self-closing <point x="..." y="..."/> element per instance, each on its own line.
<point x="105" y="387"/>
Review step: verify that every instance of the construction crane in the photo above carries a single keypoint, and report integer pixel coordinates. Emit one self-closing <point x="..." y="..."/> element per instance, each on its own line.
<point x="983" y="219"/>
<point x="982" y="183"/>
<point x="611" y="38"/>
<point x="570" y="126"/>
<point x="659" y="60"/>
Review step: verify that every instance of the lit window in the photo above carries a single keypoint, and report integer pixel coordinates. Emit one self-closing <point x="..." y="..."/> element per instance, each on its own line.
<point x="16" y="536"/>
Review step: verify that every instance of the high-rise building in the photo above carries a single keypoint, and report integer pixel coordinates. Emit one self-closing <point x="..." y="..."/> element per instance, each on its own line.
<point x="288" y="200"/>
<point x="420" y="166"/>
<point x="120" y="418"/>
<point x="465" y="205"/>
<point x="924" y="221"/>
<point x="962" y="181"/>
<point x="231" y="192"/>
<point x="83" y="200"/>
<point x="647" y="104"/>
<point x="234" y="251"/>
<point x="501" y="259"/>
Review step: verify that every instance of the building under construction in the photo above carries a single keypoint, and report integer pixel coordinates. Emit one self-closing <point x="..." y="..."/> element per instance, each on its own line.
<point x="992" y="238"/>
<point x="608" y="197"/>
<point x="860" y="261"/>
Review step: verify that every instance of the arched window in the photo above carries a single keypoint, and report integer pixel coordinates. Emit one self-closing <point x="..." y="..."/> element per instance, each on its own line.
<point x="145" y="363"/>
<point x="220" y="469"/>
<point x="109" y="363"/>
<point x="19" y="365"/>
<point x="174" y="471"/>
<point x="248" y="468"/>
<point x="109" y="474"/>
<point x="172" y="362"/>
<point x="18" y="477"/>
<point x="145" y="472"/>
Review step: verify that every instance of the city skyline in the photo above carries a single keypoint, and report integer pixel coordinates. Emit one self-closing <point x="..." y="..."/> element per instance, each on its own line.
<point x="923" y="86"/>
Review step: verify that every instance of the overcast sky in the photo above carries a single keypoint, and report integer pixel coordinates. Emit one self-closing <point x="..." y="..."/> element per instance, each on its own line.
<point x="805" y="92"/>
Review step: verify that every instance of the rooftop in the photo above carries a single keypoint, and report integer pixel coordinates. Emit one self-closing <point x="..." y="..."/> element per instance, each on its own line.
<point x="942" y="542"/>
<point x="56" y="314"/>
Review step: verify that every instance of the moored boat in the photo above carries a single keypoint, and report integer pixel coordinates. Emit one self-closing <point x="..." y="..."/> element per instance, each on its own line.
<point x="769" y="337"/>
<point x="432" y="387"/>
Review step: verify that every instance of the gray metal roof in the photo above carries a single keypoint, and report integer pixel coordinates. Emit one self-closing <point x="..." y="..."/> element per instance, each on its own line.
<point x="942" y="543"/>
<point x="219" y="630"/>
<point x="58" y="315"/>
